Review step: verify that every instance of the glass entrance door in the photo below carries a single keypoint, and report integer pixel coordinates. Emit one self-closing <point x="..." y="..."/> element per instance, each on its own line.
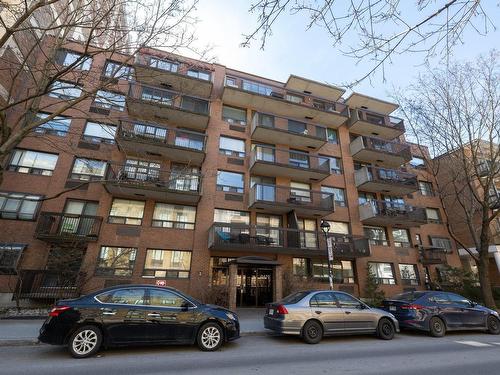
<point x="254" y="287"/>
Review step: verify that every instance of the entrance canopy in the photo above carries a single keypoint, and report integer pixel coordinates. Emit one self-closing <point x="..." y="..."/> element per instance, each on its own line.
<point x="260" y="261"/>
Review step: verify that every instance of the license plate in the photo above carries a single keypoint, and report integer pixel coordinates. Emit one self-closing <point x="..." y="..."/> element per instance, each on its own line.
<point x="392" y="308"/>
<point x="271" y="311"/>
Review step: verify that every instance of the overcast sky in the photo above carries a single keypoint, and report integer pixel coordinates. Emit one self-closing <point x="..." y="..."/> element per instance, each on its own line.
<point x="292" y="50"/>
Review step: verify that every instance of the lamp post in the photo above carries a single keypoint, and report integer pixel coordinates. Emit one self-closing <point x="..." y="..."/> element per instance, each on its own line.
<point x="325" y="227"/>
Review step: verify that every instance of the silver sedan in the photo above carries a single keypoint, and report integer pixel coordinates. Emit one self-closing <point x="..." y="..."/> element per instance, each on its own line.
<point x="317" y="313"/>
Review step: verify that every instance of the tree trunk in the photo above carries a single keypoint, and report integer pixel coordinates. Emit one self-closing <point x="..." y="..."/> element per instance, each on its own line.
<point x="484" y="280"/>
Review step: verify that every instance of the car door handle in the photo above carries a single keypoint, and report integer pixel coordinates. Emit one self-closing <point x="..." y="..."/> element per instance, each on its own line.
<point x="318" y="312"/>
<point x="347" y="312"/>
<point x="154" y="315"/>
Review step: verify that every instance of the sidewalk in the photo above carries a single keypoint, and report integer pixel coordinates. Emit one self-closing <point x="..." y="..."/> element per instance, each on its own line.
<point x="15" y="332"/>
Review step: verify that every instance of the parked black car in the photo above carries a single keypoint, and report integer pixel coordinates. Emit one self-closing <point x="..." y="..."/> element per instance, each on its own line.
<point x="437" y="312"/>
<point x="137" y="314"/>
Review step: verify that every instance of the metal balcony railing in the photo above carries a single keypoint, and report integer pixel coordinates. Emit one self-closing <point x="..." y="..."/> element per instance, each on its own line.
<point x="377" y="119"/>
<point x="57" y="226"/>
<point x="402" y="213"/>
<point x="271" y="121"/>
<point x="289" y="158"/>
<point x="385" y="175"/>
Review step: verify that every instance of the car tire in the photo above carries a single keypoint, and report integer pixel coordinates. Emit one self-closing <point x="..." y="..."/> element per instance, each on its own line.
<point x="493" y="325"/>
<point x="312" y="332"/>
<point x="437" y="327"/>
<point x="385" y="329"/>
<point x="210" y="337"/>
<point x="85" y="341"/>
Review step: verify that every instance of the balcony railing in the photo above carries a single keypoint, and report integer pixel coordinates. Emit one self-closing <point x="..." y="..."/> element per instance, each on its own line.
<point x="387" y="180"/>
<point x="283" y="199"/>
<point x="61" y="227"/>
<point x="376" y="150"/>
<point x="46" y="285"/>
<point x="253" y="238"/>
<point x="365" y="122"/>
<point x="432" y="255"/>
<point x="391" y="213"/>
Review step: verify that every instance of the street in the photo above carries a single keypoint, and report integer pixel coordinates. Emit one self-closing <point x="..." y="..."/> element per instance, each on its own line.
<point x="408" y="353"/>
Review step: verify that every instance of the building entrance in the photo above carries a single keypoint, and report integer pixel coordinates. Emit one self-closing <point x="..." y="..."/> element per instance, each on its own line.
<point x="254" y="286"/>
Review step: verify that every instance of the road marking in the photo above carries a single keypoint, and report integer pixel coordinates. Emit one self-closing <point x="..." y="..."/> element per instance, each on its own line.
<point x="495" y="343"/>
<point x="476" y="344"/>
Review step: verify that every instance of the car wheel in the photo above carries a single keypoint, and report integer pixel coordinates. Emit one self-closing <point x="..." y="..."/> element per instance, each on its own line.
<point x="493" y="325"/>
<point x="85" y="341"/>
<point x="210" y="337"/>
<point x="385" y="329"/>
<point x="312" y="333"/>
<point x="437" y="327"/>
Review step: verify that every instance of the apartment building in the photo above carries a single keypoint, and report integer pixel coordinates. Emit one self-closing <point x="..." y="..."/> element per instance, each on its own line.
<point x="204" y="178"/>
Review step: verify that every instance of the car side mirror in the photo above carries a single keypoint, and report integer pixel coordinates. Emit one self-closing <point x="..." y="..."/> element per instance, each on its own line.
<point x="472" y="303"/>
<point x="186" y="305"/>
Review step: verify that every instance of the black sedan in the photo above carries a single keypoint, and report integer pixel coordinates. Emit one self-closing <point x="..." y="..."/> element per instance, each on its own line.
<point x="437" y="312"/>
<point x="137" y="314"/>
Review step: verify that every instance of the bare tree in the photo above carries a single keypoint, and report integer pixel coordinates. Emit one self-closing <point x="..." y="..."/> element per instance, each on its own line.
<point x="456" y="112"/>
<point x="33" y="34"/>
<point x="376" y="30"/>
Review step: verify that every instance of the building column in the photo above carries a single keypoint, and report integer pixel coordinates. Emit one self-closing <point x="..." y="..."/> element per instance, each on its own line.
<point x="233" y="274"/>
<point x="277" y="283"/>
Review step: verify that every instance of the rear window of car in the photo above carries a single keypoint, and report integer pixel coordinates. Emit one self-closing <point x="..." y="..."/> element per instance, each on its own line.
<point x="408" y="296"/>
<point x="294" y="297"/>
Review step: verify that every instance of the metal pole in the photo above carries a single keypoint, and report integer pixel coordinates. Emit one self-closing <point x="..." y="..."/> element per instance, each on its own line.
<point x="329" y="246"/>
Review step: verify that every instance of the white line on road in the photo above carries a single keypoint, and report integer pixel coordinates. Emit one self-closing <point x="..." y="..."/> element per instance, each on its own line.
<point x="495" y="343"/>
<point x="476" y="344"/>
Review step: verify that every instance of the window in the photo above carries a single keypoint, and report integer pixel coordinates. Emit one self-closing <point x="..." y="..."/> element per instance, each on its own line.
<point x="257" y="88"/>
<point x="131" y="296"/>
<point x="59" y="125"/>
<point x="432" y="215"/>
<point x="401" y="238"/>
<point x="231" y="217"/>
<point x="455" y="299"/>
<point x="335" y="164"/>
<point x="338" y="195"/>
<point x="67" y="58"/>
<point x="33" y="162"/>
<point x="200" y="74"/>
<point x="160" y="96"/>
<point x="300" y="192"/>
<point x="109" y="100"/>
<point x="231" y="81"/>
<point x="299" y="267"/>
<point x="264" y="153"/>
<point x="323" y="106"/>
<point x="417" y="162"/>
<point x="441" y="242"/>
<point x="294" y="98"/>
<point x="184" y="178"/>
<point x="165" y="298"/>
<point x="409" y="274"/>
<point x="116" y="261"/>
<point x="174" y="216"/>
<point x="88" y="169"/>
<point x="140" y="170"/>
<point x="163" y="64"/>
<point x="343" y="271"/>
<point x="297" y="127"/>
<point x="376" y="235"/>
<point x="332" y="136"/>
<point x="232" y="146"/>
<point x="149" y="131"/>
<point x="194" y="105"/>
<point x="346" y="301"/>
<point x="18" y="206"/>
<point x="118" y="70"/>
<point x="64" y="90"/>
<point x="323" y="299"/>
<point x="167" y="263"/>
<point x="234" y="115"/>
<point x="267" y="230"/>
<point x="189" y="139"/>
<point x="264" y="188"/>
<point x="230" y="181"/>
<point x="125" y="211"/>
<point x="426" y="188"/>
<point x="9" y="257"/>
<point x="308" y="234"/>
<point x="339" y="227"/>
<point x="264" y="119"/>
<point x="298" y="159"/>
<point x="97" y="132"/>
<point x="382" y="272"/>
<point x="366" y="197"/>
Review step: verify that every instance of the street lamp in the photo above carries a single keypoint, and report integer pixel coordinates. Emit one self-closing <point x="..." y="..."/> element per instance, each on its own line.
<point x="325" y="227"/>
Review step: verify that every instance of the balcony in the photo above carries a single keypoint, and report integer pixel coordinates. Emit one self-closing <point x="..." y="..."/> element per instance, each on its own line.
<point x="280" y="130"/>
<point x="157" y="104"/>
<point x="147" y="73"/>
<point x="368" y="123"/>
<point x="356" y="100"/>
<point x="296" y="165"/>
<point x="47" y="284"/>
<point x="380" y="151"/>
<point x="283" y="199"/>
<point x="432" y="255"/>
<point x="242" y="92"/>
<point x="384" y="213"/>
<point x="57" y="227"/>
<point x="149" y="140"/>
<point x="389" y="181"/>
<point x="262" y="239"/>
<point x="132" y="181"/>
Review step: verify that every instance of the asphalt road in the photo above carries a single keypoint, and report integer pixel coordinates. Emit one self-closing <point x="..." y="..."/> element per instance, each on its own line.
<point x="408" y="353"/>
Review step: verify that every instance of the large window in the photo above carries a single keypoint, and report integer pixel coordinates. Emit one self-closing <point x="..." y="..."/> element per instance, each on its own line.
<point x="65" y="57"/>
<point x="125" y="211"/>
<point x="298" y="159"/>
<point x="167" y="263"/>
<point x="256" y="87"/>
<point x="300" y="192"/>
<point x="376" y="235"/>
<point x="33" y="162"/>
<point x="118" y="70"/>
<point x="88" y="169"/>
<point x="230" y="181"/>
<point x="141" y="170"/>
<point x="116" y="261"/>
<point x="366" y="197"/>
<point x="383" y="273"/>
<point x="9" y="257"/>
<point x="338" y="227"/>
<point x="64" y="90"/>
<point x="338" y="195"/>
<point x="19" y="206"/>
<point x="433" y="215"/>
<point x="334" y="163"/>
<point x="167" y="65"/>
<point x="200" y="74"/>
<point x="332" y="136"/>
<point x="59" y="125"/>
<point x="96" y="132"/>
<point x="234" y="115"/>
<point x="194" y="105"/>
<point x="109" y="100"/>
<point x="268" y="227"/>
<point x="426" y="188"/>
<point x="308" y="234"/>
<point x="232" y="146"/>
<point x="174" y="216"/>
<point x="401" y="237"/>
<point x="343" y="270"/>
<point x="409" y="274"/>
<point x="441" y="242"/>
<point x="184" y="178"/>
<point x="231" y="217"/>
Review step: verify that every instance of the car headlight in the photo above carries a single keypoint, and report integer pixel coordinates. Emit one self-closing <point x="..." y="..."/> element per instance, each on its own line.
<point x="231" y="316"/>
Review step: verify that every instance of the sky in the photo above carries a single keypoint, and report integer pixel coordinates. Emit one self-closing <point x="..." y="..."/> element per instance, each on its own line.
<point x="293" y="50"/>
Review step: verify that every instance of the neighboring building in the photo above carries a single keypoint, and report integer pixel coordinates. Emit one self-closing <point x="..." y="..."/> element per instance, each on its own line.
<point x="204" y="176"/>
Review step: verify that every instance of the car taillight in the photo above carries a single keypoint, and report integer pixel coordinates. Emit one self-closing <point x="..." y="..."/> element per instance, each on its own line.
<point x="281" y="310"/>
<point x="58" y="310"/>
<point x="412" y="307"/>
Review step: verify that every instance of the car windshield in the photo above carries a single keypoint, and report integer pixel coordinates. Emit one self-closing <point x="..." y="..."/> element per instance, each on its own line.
<point x="408" y="296"/>
<point x="294" y="297"/>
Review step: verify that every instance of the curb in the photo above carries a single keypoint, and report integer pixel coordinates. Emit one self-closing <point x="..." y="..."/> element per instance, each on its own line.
<point x="27" y="342"/>
<point x="254" y="333"/>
